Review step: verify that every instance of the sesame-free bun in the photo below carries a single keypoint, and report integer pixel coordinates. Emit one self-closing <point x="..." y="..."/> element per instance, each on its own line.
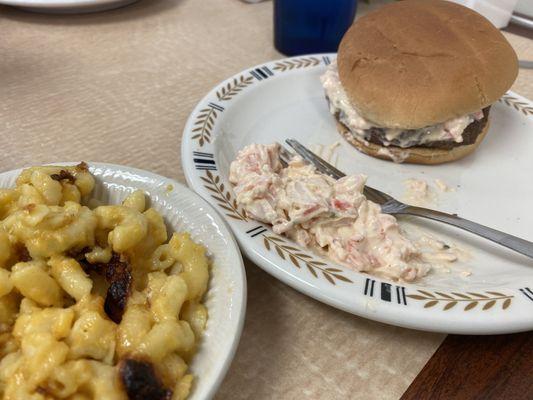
<point x="416" y="63"/>
<point x="413" y="155"/>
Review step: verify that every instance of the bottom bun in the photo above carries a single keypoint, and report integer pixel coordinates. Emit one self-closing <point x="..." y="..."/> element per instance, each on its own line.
<point x="413" y="155"/>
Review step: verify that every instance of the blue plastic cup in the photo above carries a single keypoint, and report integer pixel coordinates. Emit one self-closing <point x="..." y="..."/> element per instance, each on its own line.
<point x="311" y="26"/>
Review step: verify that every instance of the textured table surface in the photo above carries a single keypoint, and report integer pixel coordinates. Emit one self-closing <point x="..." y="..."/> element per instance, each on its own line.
<point x="117" y="87"/>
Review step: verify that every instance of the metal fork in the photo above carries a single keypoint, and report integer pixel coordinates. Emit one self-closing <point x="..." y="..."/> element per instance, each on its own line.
<point x="390" y="205"/>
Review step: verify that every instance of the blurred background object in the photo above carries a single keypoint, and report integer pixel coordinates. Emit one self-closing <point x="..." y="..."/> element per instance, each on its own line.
<point x="311" y="26"/>
<point x="523" y="15"/>
<point x="496" y="11"/>
<point x="67" y="6"/>
<point x="525" y="7"/>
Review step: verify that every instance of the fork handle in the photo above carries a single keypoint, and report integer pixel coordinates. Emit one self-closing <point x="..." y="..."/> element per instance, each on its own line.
<point x="512" y="242"/>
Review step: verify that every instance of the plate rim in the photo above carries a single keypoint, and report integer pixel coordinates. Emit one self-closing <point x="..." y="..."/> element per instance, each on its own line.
<point x="240" y="296"/>
<point x="63" y="4"/>
<point x="417" y="320"/>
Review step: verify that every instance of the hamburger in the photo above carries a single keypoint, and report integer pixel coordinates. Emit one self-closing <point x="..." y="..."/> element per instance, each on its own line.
<point x="414" y="81"/>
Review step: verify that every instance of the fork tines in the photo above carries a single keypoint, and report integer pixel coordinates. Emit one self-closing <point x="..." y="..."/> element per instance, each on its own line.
<point x="320" y="164"/>
<point x="324" y="167"/>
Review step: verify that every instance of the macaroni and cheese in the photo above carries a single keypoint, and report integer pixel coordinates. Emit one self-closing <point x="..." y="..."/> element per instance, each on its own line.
<point x="94" y="303"/>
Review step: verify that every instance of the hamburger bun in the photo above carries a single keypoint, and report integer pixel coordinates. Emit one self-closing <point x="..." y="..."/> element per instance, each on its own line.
<point x="416" y="63"/>
<point x="412" y="155"/>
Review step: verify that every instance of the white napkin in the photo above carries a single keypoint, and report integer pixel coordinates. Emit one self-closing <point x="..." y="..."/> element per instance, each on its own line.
<point x="496" y="11"/>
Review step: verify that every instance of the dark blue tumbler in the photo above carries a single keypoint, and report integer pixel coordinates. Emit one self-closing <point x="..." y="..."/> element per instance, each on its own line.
<point x="311" y="26"/>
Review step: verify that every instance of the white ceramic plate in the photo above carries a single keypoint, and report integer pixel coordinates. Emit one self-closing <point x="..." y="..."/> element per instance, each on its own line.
<point x="284" y="98"/>
<point x="184" y="210"/>
<point x="67" y="6"/>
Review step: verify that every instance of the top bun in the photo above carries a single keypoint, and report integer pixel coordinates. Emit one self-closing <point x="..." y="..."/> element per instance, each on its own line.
<point x="417" y="63"/>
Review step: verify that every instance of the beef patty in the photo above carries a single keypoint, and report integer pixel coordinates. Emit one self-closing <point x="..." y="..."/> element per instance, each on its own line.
<point x="377" y="135"/>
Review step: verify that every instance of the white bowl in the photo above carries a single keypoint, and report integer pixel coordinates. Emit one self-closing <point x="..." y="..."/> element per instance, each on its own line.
<point x="184" y="210"/>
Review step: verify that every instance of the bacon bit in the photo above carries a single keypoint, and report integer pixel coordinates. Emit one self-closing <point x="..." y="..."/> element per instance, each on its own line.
<point x="118" y="274"/>
<point x="22" y="253"/>
<point x="340" y="205"/>
<point x="88" y="267"/>
<point x="141" y="382"/>
<point x="82" y="167"/>
<point x="29" y="207"/>
<point x="42" y="390"/>
<point x="63" y="176"/>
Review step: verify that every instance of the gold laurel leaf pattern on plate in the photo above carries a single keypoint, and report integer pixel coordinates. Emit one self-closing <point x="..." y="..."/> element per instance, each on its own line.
<point x="431" y="303"/>
<point x="495" y="293"/>
<point x="299" y="258"/>
<point x="341" y="278"/>
<point x="290" y="248"/>
<point x="211" y="189"/>
<point x="222" y="196"/>
<point x="451" y="304"/>
<point x="444" y="295"/>
<point x="328" y="277"/>
<point x="297" y="63"/>
<point x="305" y="256"/>
<point x="416" y="297"/>
<point x="517" y="104"/>
<point x="233" y="88"/>
<point x="463" y="296"/>
<point x="506" y="304"/>
<point x="226" y="208"/>
<point x="294" y="261"/>
<point x="317" y="263"/>
<point x="489" y="304"/>
<point x="203" y="125"/>
<point x="280" y="253"/>
<point x="477" y="295"/>
<point x="450" y="300"/>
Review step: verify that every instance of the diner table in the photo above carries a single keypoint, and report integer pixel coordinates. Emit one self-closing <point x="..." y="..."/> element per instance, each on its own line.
<point x="118" y="86"/>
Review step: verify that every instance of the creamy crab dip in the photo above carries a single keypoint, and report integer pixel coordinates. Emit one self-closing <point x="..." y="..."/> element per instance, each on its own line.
<point x="330" y="216"/>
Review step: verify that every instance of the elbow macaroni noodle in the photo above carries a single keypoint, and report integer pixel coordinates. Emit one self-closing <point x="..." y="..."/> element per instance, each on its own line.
<point x="56" y="340"/>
